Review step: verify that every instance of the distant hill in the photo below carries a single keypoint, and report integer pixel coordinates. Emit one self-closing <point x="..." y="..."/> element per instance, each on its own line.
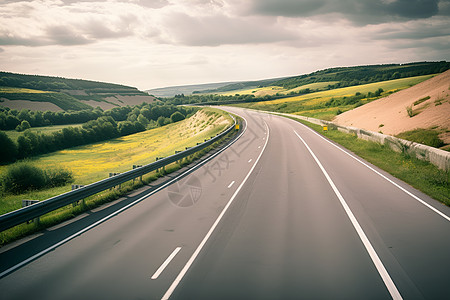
<point x="171" y="91"/>
<point x="55" y="93"/>
<point x="340" y="76"/>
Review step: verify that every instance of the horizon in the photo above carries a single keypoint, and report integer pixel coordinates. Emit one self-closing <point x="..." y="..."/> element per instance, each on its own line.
<point x="163" y="43"/>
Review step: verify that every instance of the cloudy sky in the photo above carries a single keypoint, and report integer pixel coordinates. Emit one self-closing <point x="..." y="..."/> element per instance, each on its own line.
<point x="157" y="43"/>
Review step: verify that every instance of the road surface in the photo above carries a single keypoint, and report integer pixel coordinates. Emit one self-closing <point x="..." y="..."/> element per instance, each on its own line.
<point x="281" y="214"/>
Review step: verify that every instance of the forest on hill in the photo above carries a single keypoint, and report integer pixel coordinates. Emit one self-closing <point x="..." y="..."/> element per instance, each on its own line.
<point x="346" y="76"/>
<point x="68" y="94"/>
<point x="57" y="84"/>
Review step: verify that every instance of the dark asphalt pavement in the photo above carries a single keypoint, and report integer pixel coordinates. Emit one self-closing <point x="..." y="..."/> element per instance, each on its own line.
<point x="281" y="214"/>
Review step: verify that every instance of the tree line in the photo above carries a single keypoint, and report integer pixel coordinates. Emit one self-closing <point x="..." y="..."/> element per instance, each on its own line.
<point x="110" y="124"/>
<point x="48" y="83"/>
<point x="20" y="120"/>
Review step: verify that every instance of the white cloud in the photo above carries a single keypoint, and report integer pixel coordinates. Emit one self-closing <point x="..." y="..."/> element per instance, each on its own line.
<point x="168" y="42"/>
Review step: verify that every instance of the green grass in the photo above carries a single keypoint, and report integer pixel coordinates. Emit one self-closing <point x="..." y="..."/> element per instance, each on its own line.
<point x="4" y="89"/>
<point x="420" y="174"/>
<point x="421" y="100"/>
<point x="428" y="137"/>
<point x="93" y="162"/>
<point x="312" y="105"/>
<point x="12" y="202"/>
<point x="13" y="134"/>
<point x="313" y="86"/>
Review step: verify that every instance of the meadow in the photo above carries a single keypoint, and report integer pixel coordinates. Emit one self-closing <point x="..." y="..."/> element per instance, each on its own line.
<point x="273" y="90"/>
<point x="313" y="104"/>
<point x="93" y="162"/>
<point x="13" y="134"/>
<point x="20" y="90"/>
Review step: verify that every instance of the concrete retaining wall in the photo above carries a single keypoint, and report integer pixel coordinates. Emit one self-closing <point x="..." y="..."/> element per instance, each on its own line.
<point x="438" y="157"/>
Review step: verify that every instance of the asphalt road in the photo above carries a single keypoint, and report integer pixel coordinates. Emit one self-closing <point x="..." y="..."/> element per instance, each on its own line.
<point x="281" y="214"/>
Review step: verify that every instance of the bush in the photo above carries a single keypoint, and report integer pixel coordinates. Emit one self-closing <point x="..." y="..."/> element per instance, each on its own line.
<point x="8" y="150"/>
<point x="58" y="177"/>
<point x="23" y="176"/>
<point x="177" y="116"/>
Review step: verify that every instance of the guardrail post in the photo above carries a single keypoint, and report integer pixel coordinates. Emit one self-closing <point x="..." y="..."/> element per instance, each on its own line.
<point x="135" y="167"/>
<point x="75" y="187"/>
<point x="114" y="174"/>
<point x="28" y="203"/>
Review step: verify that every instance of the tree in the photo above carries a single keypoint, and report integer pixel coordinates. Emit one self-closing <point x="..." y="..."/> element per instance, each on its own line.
<point x="177" y="116"/>
<point x="143" y="120"/>
<point x="162" y="121"/>
<point x="11" y="122"/>
<point x="8" y="150"/>
<point x="23" y="126"/>
<point x="24" y="147"/>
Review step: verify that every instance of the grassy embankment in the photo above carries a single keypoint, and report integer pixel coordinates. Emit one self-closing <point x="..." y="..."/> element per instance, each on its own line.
<point x="93" y="162"/>
<point x="273" y="90"/>
<point x="420" y="174"/>
<point x="313" y="104"/>
<point x="14" y="134"/>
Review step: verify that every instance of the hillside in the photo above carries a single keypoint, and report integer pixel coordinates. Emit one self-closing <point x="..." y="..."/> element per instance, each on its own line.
<point x="171" y="91"/>
<point x="19" y="91"/>
<point x="423" y="106"/>
<point x="335" y="78"/>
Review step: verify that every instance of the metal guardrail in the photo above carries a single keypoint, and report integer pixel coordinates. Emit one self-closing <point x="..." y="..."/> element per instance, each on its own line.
<point x="31" y="212"/>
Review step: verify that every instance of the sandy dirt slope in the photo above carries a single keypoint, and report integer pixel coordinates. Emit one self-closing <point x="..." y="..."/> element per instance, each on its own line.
<point x="389" y="114"/>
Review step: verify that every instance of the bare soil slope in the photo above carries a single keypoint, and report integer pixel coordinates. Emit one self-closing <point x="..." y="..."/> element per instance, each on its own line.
<point x="389" y="115"/>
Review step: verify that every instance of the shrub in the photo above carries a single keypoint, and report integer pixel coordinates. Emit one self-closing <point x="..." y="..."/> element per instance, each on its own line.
<point x="8" y="149"/>
<point x="58" y="177"/>
<point x="410" y="111"/>
<point x="23" y="176"/>
<point x="177" y="116"/>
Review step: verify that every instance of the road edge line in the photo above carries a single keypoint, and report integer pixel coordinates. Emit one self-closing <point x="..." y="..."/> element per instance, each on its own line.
<point x="423" y="202"/>
<point x="389" y="283"/>
<point x="104" y="219"/>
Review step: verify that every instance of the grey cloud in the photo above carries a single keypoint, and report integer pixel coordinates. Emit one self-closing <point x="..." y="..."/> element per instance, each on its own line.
<point x="221" y="30"/>
<point x="96" y="29"/>
<point x="9" y="39"/>
<point x="155" y="4"/>
<point x="63" y="35"/>
<point x="145" y="3"/>
<point x="359" y="11"/>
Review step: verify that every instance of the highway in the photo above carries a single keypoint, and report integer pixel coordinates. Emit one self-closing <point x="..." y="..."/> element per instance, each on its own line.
<point x="282" y="213"/>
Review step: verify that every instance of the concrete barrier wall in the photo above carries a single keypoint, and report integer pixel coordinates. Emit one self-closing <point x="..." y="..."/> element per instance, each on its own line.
<point x="438" y="157"/>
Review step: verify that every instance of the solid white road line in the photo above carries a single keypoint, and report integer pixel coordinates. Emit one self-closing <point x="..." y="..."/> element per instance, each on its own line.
<point x="166" y="263"/>
<point x="373" y="255"/>
<point x="51" y="248"/>
<point x="211" y="230"/>
<point x="378" y="173"/>
<point x="231" y="184"/>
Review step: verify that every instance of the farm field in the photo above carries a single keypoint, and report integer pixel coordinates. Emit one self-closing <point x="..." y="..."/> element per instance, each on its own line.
<point x="20" y="90"/>
<point x="13" y="134"/>
<point x="273" y="90"/>
<point x="93" y="162"/>
<point x="313" y="104"/>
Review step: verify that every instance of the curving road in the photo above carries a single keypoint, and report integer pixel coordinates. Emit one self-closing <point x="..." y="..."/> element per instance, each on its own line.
<point x="281" y="214"/>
